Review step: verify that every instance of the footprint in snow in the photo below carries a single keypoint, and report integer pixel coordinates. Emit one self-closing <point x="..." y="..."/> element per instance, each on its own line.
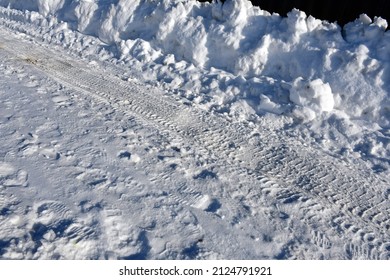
<point x="11" y="176"/>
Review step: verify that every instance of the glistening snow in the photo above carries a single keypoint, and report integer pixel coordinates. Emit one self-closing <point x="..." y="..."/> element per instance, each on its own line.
<point x="141" y="129"/>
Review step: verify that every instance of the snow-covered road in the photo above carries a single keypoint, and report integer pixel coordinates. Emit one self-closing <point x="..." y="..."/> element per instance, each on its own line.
<point x="179" y="130"/>
<point x="95" y="166"/>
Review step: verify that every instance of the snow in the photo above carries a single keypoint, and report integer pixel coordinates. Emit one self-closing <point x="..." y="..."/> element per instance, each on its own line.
<point x="314" y="96"/>
<point x="295" y="81"/>
<point x="241" y="40"/>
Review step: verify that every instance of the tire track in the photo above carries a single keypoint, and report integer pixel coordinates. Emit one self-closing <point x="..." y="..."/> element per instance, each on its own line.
<point x="283" y="170"/>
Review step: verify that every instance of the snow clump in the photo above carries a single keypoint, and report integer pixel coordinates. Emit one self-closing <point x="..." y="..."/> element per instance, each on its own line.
<point x="316" y="96"/>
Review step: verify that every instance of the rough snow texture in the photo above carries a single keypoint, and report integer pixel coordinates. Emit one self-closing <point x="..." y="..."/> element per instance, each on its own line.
<point x="314" y="96"/>
<point x="297" y="76"/>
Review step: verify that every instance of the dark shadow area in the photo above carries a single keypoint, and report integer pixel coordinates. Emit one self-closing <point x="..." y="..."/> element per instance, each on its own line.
<point x="214" y="206"/>
<point x="206" y="174"/>
<point x="5" y="211"/>
<point x="191" y="252"/>
<point x="3" y="245"/>
<point x="39" y="230"/>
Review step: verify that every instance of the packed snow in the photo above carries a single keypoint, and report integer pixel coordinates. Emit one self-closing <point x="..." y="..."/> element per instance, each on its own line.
<point x="83" y="165"/>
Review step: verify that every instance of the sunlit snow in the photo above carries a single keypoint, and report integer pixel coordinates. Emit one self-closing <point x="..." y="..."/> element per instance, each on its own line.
<point x="173" y="129"/>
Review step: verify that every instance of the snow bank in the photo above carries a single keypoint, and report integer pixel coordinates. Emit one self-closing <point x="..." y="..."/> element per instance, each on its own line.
<point x="245" y="41"/>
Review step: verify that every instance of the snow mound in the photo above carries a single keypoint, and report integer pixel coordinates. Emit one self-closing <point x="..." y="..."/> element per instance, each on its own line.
<point x="182" y="40"/>
<point x="314" y="95"/>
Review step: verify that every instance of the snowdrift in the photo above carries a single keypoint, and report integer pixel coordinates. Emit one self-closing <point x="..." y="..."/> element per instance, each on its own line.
<point x="245" y="41"/>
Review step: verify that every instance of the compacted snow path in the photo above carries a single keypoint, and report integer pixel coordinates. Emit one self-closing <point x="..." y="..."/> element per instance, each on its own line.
<point x="95" y="166"/>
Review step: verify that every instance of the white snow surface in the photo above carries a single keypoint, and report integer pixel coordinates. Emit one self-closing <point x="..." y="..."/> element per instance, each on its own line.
<point x="86" y="172"/>
<point x="313" y="95"/>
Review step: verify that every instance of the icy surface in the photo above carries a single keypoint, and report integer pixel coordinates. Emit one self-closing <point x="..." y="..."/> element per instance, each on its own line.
<point x="262" y="82"/>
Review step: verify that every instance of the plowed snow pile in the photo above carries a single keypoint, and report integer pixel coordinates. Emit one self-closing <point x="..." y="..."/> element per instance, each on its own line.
<point x="291" y="78"/>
